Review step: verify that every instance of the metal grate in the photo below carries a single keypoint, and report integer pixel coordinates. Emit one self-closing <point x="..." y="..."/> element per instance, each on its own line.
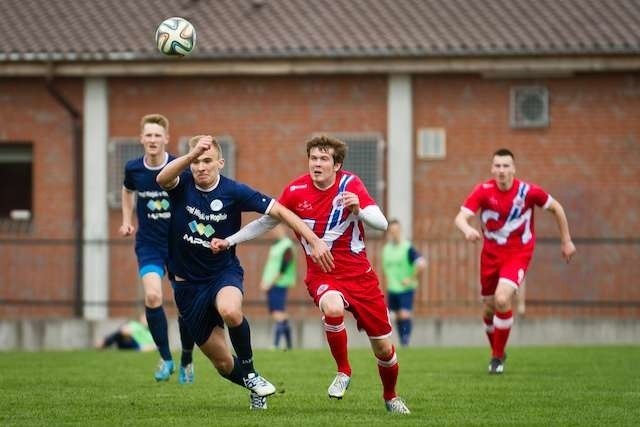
<point x="120" y="152"/>
<point x="365" y="159"/>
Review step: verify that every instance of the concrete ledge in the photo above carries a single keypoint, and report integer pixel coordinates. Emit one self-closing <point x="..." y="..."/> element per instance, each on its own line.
<point x="71" y="334"/>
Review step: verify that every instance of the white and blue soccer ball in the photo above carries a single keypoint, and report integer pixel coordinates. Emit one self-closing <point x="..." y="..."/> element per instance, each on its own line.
<point x="176" y="36"/>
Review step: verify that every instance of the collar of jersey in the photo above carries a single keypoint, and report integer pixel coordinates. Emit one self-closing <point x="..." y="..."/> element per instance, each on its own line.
<point x="213" y="187"/>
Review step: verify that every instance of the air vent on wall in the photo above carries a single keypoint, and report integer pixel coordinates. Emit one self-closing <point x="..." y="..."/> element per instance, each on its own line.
<point x="529" y="107"/>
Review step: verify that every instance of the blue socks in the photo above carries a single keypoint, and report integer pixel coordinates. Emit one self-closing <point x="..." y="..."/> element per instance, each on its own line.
<point x="158" y="327"/>
<point x="404" y="329"/>
<point x="282" y="328"/>
<point x="240" y="337"/>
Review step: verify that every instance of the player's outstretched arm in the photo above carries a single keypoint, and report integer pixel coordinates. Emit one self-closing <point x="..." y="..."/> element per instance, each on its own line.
<point x="249" y="232"/>
<point x="567" y="247"/>
<point x="168" y="176"/>
<point x="462" y="222"/>
<point x="320" y="252"/>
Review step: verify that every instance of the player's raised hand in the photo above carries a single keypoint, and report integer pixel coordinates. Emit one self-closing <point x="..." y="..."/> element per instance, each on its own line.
<point x="351" y="201"/>
<point x="321" y="254"/>
<point x="219" y="245"/>
<point x="568" y="250"/>
<point x="204" y="143"/>
<point x="127" y="229"/>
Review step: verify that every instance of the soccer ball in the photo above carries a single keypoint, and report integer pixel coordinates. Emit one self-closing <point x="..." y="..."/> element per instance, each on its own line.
<point x="176" y="37"/>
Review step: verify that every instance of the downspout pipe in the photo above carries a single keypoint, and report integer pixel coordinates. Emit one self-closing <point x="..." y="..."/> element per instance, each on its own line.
<point x="78" y="214"/>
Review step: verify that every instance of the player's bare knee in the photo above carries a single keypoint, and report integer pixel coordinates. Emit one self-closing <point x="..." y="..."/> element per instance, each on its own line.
<point x="232" y="316"/>
<point x="503" y="303"/>
<point x="333" y="310"/>
<point x="153" y="299"/>
<point x="382" y="349"/>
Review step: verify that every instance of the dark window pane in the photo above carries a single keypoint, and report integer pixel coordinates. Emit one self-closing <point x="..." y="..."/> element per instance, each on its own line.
<point x="16" y="171"/>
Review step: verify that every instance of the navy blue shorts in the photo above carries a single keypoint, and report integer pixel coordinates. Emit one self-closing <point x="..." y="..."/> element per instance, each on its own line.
<point x="401" y="301"/>
<point x="277" y="298"/>
<point x="196" y="302"/>
<point x="150" y="260"/>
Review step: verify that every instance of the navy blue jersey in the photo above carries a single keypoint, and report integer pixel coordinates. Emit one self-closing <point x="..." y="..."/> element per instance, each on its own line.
<point x="152" y="206"/>
<point x="198" y="216"/>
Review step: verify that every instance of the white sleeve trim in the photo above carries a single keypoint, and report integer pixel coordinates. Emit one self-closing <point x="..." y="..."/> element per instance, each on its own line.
<point x="252" y="230"/>
<point x="467" y="210"/>
<point x="173" y="186"/>
<point x="373" y="217"/>
<point x="548" y="202"/>
<point x="271" y="204"/>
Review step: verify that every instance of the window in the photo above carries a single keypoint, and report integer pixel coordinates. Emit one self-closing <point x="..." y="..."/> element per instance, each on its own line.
<point x="365" y="159"/>
<point x="432" y="143"/>
<point x="120" y="152"/>
<point x="529" y="107"/>
<point x="16" y="174"/>
<point x="228" y="153"/>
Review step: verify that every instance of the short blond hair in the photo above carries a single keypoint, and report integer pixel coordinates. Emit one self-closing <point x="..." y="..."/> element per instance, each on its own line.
<point x="157" y="119"/>
<point x="194" y="140"/>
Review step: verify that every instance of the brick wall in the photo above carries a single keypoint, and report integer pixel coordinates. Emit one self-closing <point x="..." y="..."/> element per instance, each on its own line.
<point x="588" y="158"/>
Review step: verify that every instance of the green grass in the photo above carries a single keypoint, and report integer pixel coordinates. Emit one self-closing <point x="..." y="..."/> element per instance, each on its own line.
<point x="560" y="386"/>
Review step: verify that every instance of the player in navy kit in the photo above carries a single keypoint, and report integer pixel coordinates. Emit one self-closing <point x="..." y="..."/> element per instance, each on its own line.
<point x="207" y="286"/>
<point x="153" y="215"/>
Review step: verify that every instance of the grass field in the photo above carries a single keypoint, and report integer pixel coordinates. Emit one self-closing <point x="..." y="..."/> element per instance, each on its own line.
<point x="560" y="386"/>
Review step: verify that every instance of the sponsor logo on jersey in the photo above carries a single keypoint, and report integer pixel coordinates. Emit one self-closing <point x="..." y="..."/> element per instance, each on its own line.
<point x="152" y="194"/>
<point x="205" y="216"/>
<point x="304" y="206"/>
<point x="297" y="187"/>
<point x="158" y="205"/>
<point x="196" y="241"/>
<point x="216" y="205"/>
<point x="202" y="229"/>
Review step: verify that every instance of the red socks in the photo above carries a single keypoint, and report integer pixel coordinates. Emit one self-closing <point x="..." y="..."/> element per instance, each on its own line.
<point x="337" y="339"/>
<point x="388" y="369"/>
<point x="502" y="323"/>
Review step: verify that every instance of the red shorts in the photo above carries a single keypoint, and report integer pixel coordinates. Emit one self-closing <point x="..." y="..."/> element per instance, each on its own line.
<point x="362" y="297"/>
<point x="494" y="266"/>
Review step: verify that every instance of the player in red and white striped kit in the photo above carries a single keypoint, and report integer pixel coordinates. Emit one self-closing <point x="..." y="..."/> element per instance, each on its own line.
<point x="506" y="207"/>
<point x="335" y="204"/>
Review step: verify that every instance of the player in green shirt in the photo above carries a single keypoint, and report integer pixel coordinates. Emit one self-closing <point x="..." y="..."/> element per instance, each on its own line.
<point x="133" y="335"/>
<point x="278" y="276"/>
<point x="402" y="265"/>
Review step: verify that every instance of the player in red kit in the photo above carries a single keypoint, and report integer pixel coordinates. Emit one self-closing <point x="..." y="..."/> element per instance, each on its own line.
<point x="506" y="207"/>
<point x="335" y="204"/>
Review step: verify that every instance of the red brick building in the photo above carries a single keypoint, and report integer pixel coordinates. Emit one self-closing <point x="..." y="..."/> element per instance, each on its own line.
<point x="423" y="92"/>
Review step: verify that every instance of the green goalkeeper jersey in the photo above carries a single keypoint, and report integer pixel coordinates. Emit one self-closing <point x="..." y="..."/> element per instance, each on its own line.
<point x="273" y="269"/>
